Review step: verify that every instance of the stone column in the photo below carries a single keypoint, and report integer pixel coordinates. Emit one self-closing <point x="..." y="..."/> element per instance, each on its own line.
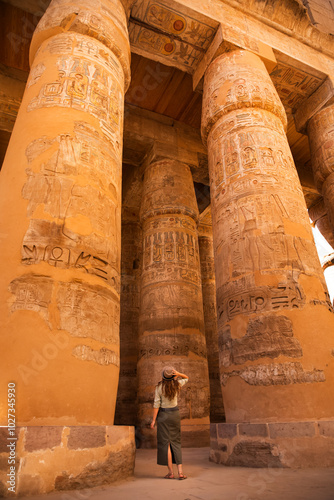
<point x="320" y="130"/>
<point x="171" y="318"/>
<point x="205" y="243"/>
<point x="61" y="229"/>
<point x="275" y="322"/>
<point x="316" y="119"/>
<point x="126" y="408"/>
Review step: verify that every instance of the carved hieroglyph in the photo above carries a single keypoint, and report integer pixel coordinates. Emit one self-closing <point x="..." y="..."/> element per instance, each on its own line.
<point x="205" y="244"/>
<point x="171" y="316"/>
<point x="321" y="137"/>
<point x="62" y="226"/>
<point x="269" y="280"/>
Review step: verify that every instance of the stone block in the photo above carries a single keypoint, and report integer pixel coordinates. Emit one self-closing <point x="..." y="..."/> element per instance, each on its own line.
<point x="227" y="431"/>
<point x="214" y="444"/>
<point x="42" y="438"/>
<point x="29" y="485"/>
<point x="86" y="437"/>
<point x="116" y="433"/>
<point x="253" y="430"/>
<point x="119" y="465"/>
<point x="213" y="431"/>
<point x="254" y="454"/>
<point x="292" y="430"/>
<point x="3" y="438"/>
<point x="326" y="428"/>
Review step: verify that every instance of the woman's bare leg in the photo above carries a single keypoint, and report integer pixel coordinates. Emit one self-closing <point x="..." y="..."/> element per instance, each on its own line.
<point x="170" y="460"/>
<point x="180" y="471"/>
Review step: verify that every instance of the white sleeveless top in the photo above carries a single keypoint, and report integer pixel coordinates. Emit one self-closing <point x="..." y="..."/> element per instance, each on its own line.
<point x="160" y="400"/>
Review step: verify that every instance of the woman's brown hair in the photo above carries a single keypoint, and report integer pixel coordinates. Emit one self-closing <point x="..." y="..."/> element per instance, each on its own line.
<point x="170" y="388"/>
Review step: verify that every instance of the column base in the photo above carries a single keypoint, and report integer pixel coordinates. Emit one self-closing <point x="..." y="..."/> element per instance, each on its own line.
<point x="273" y="444"/>
<point x="57" y="458"/>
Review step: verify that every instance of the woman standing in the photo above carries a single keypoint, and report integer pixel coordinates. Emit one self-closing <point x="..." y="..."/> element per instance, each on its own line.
<point x="169" y="421"/>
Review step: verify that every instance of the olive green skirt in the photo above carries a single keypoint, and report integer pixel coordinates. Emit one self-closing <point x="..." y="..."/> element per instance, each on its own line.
<point x="169" y="433"/>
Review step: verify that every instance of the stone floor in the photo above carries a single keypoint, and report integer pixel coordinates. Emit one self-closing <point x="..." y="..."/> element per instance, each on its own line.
<point x="209" y="481"/>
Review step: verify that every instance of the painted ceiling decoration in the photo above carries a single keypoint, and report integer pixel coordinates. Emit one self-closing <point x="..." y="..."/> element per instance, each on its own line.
<point x="176" y="38"/>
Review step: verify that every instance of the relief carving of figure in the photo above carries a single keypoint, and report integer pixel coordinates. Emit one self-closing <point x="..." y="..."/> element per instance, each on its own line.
<point x="77" y="83"/>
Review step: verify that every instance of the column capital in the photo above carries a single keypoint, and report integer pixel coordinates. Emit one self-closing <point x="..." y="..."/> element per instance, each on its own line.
<point x="103" y="20"/>
<point x="239" y="80"/>
<point x="168" y="189"/>
<point x="163" y="151"/>
<point x="328" y="261"/>
<point x="321" y="98"/>
<point x="227" y="40"/>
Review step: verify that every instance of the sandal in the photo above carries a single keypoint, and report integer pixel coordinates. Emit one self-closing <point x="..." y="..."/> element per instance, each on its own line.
<point x="169" y="476"/>
<point x="182" y="476"/>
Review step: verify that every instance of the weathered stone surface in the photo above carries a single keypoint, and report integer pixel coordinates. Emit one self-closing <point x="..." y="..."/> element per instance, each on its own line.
<point x="320" y="131"/>
<point x="292" y="429"/>
<point x="171" y="324"/>
<point x="29" y="485"/>
<point x="119" y="465"/>
<point x="276" y="374"/>
<point x="65" y="223"/>
<point x="322" y="97"/>
<point x="61" y="214"/>
<point x="214" y="444"/>
<point x="171" y="345"/>
<point x="321" y="14"/>
<point x="262" y="238"/>
<point x="131" y="266"/>
<point x="253" y="430"/>
<point x="88" y="311"/>
<point x="254" y="454"/>
<point x="102" y="357"/>
<point x="213" y="431"/>
<point x="86" y="437"/>
<point x="108" y="25"/>
<point x="115" y="433"/>
<point x="4" y="435"/>
<point x="326" y="428"/>
<point x="42" y="438"/>
<point x="266" y="336"/>
<point x="227" y="431"/>
<point x="32" y="293"/>
<point x="205" y="242"/>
